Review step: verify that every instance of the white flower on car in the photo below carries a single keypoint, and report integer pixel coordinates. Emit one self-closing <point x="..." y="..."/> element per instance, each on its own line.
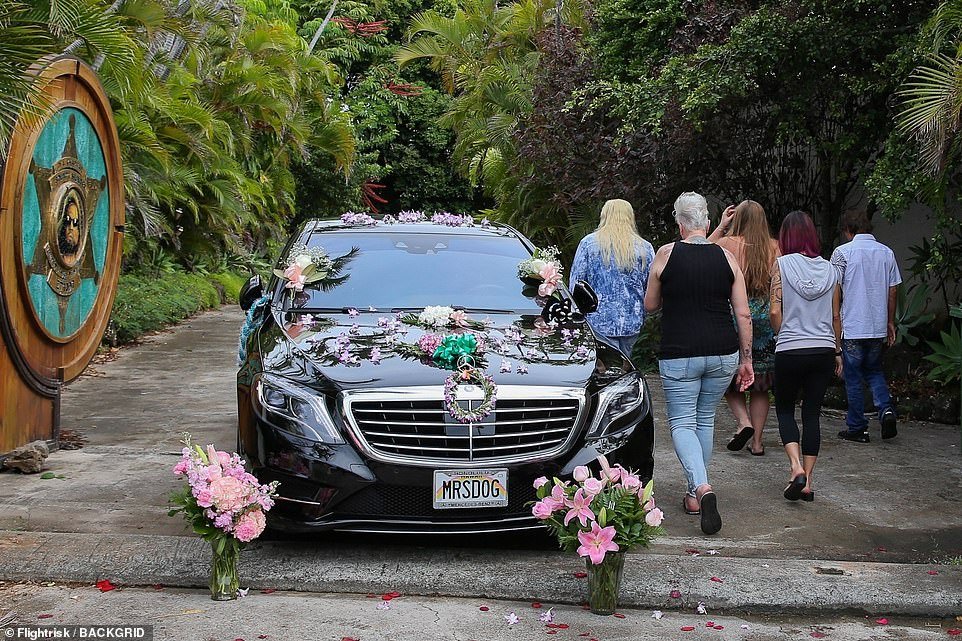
<point x="436" y="316"/>
<point x="303" y="260"/>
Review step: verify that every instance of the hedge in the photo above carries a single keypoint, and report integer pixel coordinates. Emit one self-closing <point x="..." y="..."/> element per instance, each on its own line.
<point x="148" y="303"/>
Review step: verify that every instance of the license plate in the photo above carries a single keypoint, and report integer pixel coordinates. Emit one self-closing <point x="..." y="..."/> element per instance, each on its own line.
<point x="470" y="488"/>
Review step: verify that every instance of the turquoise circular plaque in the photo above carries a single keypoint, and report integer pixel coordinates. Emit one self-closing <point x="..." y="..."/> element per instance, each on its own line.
<point x="65" y="223"/>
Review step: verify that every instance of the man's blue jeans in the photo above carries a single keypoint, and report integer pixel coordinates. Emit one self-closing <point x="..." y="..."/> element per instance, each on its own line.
<point x="693" y="388"/>
<point x="862" y="360"/>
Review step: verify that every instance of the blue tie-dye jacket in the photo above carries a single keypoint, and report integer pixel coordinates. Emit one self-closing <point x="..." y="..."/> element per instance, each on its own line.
<point x="621" y="294"/>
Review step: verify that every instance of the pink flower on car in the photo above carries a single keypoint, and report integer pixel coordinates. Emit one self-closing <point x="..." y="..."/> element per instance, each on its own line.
<point x="581" y="473"/>
<point x="459" y="318"/>
<point x="541" y="480"/>
<point x="580" y="505"/>
<point x="552" y="278"/>
<point x="596" y="543"/>
<point x="295" y="277"/>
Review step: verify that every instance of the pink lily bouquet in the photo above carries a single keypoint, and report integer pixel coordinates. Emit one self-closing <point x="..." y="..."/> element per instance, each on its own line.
<point x="225" y="505"/>
<point x="595" y="515"/>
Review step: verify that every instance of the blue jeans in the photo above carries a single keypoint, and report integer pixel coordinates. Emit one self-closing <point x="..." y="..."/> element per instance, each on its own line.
<point x="862" y="360"/>
<point x="693" y="388"/>
<point x="623" y="343"/>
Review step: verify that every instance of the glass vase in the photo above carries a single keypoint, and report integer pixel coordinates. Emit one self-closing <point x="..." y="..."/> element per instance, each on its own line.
<point x="224" y="582"/>
<point x="604" y="583"/>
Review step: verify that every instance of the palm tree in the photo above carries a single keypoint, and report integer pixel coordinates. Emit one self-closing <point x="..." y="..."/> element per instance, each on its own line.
<point x="932" y="96"/>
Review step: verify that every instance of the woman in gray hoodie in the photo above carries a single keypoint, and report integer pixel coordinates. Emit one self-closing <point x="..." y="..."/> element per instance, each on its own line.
<point x="807" y="351"/>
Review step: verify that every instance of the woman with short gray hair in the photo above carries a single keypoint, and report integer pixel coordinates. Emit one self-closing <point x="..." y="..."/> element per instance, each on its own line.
<point x="698" y="285"/>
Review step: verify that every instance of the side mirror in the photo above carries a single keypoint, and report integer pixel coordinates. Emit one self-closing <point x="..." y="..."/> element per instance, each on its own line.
<point x="250" y="292"/>
<point x="585" y="297"/>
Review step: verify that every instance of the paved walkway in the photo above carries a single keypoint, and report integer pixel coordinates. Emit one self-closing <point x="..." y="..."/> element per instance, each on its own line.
<point x="893" y="502"/>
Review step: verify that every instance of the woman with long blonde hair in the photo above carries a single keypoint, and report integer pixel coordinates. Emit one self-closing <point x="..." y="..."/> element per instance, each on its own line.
<point x="615" y="260"/>
<point x="750" y="242"/>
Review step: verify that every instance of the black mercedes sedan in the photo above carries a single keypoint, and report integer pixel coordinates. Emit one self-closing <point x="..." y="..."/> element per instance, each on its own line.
<point x="401" y="377"/>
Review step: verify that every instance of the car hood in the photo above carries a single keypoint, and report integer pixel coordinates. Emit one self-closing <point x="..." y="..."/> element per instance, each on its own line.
<point x="368" y="351"/>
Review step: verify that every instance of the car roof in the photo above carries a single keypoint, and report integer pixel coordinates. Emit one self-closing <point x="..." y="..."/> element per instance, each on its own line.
<point x="333" y="226"/>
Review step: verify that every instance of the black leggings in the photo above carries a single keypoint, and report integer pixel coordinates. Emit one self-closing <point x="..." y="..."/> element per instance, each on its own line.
<point x="809" y="372"/>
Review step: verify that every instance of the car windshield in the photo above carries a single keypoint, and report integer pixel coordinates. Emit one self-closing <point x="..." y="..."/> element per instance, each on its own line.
<point x="401" y="270"/>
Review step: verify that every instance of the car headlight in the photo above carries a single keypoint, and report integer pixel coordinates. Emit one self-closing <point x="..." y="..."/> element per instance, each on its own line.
<point x="616" y="400"/>
<point x="294" y="409"/>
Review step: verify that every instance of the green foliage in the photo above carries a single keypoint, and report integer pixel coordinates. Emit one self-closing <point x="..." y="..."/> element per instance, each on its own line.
<point x="149" y="303"/>
<point x="910" y="313"/>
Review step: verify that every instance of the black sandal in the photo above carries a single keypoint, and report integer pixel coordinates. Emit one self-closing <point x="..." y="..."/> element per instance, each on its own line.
<point x="793" y="491"/>
<point x="711" y="520"/>
<point x="808" y="497"/>
<point x="684" y="505"/>
<point x="741" y="437"/>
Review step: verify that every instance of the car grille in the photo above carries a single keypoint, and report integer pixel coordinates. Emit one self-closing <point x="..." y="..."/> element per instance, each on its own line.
<point x="419" y="430"/>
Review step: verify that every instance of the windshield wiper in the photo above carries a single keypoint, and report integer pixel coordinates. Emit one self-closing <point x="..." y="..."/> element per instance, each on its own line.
<point x="486" y="310"/>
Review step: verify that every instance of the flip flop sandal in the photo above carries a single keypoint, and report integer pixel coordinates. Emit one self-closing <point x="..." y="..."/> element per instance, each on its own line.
<point x="794" y="490"/>
<point x="711" y="520"/>
<point x="754" y="452"/>
<point x="808" y="497"/>
<point x="741" y="438"/>
<point x="684" y="505"/>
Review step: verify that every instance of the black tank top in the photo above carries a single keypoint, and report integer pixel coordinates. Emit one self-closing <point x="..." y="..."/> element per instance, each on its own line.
<point x="696" y="286"/>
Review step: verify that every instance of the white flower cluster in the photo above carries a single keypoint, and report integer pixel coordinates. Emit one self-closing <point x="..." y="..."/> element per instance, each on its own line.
<point x="531" y="267"/>
<point x="435" y="316"/>
<point x="304" y="256"/>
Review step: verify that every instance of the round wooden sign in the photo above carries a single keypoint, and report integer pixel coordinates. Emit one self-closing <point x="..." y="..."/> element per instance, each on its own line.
<point x="61" y="231"/>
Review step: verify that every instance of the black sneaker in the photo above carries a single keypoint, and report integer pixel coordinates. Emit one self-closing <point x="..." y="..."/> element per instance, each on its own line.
<point x="889" y="427"/>
<point x="855" y="437"/>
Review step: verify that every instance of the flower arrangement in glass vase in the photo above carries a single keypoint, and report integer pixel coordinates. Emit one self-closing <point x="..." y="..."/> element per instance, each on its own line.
<point x="311" y="265"/>
<point x="225" y="505"/>
<point x="600" y="518"/>
<point x="543" y="270"/>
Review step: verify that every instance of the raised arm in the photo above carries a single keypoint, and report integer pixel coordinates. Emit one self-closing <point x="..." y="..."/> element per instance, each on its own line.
<point x="726" y="221"/>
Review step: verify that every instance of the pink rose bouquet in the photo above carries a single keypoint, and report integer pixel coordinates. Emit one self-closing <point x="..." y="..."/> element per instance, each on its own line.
<point x="597" y="514"/>
<point x="222" y="501"/>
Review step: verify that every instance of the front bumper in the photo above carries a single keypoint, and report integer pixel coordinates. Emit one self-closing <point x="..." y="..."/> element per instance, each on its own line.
<point x="325" y="487"/>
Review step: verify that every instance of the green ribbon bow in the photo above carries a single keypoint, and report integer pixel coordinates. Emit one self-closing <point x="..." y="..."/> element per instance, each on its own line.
<point x="453" y="347"/>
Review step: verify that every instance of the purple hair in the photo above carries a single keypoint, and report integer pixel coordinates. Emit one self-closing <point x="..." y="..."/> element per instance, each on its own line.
<point x="798" y="235"/>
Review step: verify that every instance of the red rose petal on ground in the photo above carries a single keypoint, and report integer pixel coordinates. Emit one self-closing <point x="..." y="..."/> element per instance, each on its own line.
<point x="157" y="586"/>
<point x="818" y="635"/>
<point x="692" y="551"/>
<point x="44" y="616"/>
<point x="484" y="608"/>
<point x="675" y="594"/>
<point x="261" y="636"/>
<point x="709" y="624"/>
<point x="880" y="549"/>
<point x="717" y="580"/>
<point x="719" y="627"/>
<point x="268" y="591"/>
<point x="349" y="639"/>
<point x="551" y="632"/>
<point x="535" y="605"/>
<point x="581" y="575"/>
<point x="954" y="632"/>
<point x="105" y="586"/>
<point x="687" y="628"/>
<point x="618" y="615"/>
<point x="933" y="572"/>
<point x="882" y="621"/>
<point x="557" y="626"/>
